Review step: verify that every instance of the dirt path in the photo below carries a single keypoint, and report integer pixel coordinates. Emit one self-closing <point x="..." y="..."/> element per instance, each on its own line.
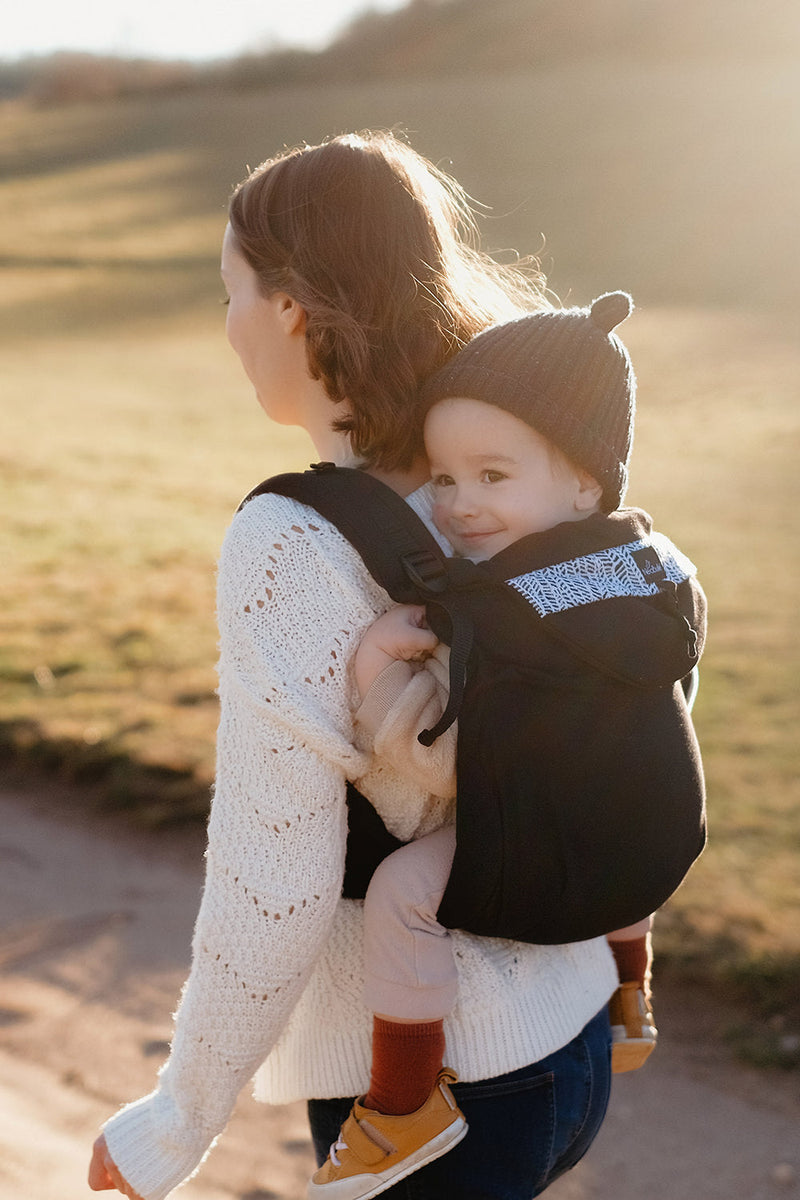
<point x="96" y="922"/>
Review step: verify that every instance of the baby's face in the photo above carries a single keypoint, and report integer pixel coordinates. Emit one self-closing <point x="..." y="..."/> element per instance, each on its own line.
<point x="496" y="479"/>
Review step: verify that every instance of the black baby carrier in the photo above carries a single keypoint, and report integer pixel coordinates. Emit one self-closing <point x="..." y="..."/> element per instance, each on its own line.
<point x="580" y="796"/>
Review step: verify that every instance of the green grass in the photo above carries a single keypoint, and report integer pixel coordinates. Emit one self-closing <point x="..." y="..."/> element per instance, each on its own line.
<point x="129" y="434"/>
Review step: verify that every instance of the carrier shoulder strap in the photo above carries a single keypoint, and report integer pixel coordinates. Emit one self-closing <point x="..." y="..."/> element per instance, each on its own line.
<point x="397" y="549"/>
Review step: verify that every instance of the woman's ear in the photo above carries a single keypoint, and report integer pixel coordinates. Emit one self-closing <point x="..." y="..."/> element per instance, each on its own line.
<point x="589" y="493"/>
<point x="290" y="313"/>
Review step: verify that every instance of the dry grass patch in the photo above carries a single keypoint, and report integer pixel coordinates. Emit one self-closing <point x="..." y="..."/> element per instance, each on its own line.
<point x="122" y="462"/>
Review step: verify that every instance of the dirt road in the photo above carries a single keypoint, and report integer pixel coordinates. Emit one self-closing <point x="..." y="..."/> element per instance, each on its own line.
<point x="95" y="922"/>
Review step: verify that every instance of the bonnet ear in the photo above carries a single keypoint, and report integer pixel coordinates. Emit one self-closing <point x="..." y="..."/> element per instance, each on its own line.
<point x="611" y="310"/>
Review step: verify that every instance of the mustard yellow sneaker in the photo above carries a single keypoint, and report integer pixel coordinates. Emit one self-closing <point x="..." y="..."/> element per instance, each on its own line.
<point x="374" y="1151"/>
<point x="633" y="1031"/>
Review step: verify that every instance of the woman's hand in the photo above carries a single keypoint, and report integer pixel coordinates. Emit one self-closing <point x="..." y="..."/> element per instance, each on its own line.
<point x="104" y="1175"/>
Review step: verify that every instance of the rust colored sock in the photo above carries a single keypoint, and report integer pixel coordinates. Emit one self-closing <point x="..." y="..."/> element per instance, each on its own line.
<point x="631" y="958"/>
<point x="406" y="1060"/>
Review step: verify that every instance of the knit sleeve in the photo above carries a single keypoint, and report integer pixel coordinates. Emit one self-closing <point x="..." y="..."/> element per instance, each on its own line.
<point x="292" y="606"/>
<point x="406" y="698"/>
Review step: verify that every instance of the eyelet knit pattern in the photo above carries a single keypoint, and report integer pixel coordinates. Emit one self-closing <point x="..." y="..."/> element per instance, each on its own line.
<point x="277" y="970"/>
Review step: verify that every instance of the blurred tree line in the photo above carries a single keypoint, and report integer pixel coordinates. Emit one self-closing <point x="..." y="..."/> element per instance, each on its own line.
<point x="435" y="38"/>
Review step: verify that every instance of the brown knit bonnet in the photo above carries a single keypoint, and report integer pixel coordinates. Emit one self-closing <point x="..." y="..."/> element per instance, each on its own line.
<point x="566" y="374"/>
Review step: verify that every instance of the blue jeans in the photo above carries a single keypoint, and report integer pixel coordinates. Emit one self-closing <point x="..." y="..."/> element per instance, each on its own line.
<point x="525" y="1128"/>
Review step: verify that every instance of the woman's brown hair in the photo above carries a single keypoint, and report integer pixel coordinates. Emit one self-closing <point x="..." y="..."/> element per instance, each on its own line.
<point x="379" y="248"/>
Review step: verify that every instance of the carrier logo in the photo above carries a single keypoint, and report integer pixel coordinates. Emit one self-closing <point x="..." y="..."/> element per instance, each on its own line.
<point x="650" y="565"/>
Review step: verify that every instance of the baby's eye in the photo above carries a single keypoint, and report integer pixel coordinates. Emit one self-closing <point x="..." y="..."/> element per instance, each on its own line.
<point x="225" y="300"/>
<point x="442" y="481"/>
<point x="494" y="476"/>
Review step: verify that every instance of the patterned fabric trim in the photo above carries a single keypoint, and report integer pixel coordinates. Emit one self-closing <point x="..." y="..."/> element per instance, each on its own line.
<point x="601" y="576"/>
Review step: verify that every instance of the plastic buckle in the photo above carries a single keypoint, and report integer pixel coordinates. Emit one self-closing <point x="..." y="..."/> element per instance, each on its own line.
<point x="425" y="571"/>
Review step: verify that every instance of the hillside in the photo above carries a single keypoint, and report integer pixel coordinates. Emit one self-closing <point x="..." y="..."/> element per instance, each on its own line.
<point x="456" y="36"/>
<point x="676" y="181"/>
<point x="440" y="38"/>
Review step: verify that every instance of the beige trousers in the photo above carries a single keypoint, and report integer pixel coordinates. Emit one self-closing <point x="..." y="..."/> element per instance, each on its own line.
<point x="410" y="971"/>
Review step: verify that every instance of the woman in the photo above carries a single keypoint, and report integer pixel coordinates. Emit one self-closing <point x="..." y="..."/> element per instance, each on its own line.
<point x="350" y="277"/>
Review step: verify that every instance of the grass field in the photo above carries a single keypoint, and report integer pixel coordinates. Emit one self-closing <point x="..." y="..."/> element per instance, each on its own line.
<point x="129" y="435"/>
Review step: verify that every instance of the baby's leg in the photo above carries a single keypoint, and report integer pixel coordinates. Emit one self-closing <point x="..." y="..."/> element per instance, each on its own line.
<point x="408" y="1117"/>
<point x="410" y="972"/>
<point x="633" y="1030"/>
<point x="633" y="953"/>
<point x="411" y="979"/>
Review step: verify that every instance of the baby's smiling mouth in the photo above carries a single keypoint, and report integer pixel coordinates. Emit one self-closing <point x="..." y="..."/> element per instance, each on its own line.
<point x="476" y="534"/>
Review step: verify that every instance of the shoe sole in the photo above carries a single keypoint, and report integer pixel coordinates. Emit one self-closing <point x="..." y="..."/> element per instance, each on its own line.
<point x="362" y="1187"/>
<point x="630" y="1054"/>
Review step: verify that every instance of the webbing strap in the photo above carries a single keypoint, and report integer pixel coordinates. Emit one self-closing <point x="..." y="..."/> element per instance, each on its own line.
<point x="460" y="647"/>
<point x="397" y="549"/>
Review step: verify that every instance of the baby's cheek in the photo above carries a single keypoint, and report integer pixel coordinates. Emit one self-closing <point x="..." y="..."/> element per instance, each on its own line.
<point x="441" y="517"/>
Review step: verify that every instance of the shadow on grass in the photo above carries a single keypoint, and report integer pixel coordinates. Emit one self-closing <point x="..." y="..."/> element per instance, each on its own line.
<point x="177" y="262"/>
<point x="762" y="989"/>
<point x="152" y="795"/>
<point x="81" y="296"/>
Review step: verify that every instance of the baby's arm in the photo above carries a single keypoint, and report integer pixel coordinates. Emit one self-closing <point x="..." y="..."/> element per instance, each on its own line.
<point x="400" y="634"/>
<point x="400" y="698"/>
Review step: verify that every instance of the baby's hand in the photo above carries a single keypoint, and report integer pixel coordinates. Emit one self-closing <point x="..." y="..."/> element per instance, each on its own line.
<point x="401" y="633"/>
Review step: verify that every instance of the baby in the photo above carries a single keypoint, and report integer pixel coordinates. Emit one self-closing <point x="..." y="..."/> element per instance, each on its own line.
<point x="528" y="429"/>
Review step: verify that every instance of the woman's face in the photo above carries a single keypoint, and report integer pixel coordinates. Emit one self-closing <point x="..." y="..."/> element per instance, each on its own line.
<point x="260" y="329"/>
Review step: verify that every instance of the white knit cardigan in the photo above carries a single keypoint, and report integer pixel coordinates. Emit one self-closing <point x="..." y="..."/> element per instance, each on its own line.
<point x="275" y="988"/>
